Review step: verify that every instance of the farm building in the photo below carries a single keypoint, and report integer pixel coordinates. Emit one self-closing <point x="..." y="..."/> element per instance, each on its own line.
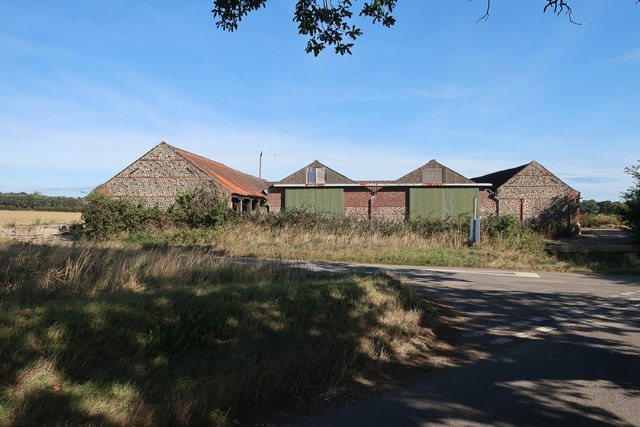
<point x="432" y="190"/>
<point x="160" y="175"/>
<point x="529" y="192"/>
<point x="314" y="186"/>
<point x="435" y="191"/>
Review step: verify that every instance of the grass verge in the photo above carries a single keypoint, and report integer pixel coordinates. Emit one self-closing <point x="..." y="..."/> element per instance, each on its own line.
<point x="441" y="249"/>
<point x="178" y="336"/>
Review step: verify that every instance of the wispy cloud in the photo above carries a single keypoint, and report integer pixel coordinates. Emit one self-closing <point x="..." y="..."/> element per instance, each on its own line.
<point x="14" y="45"/>
<point x="632" y="55"/>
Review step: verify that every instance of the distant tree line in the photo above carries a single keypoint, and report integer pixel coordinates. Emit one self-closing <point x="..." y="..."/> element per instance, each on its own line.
<point x="38" y="202"/>
<point x="606" y="207"/>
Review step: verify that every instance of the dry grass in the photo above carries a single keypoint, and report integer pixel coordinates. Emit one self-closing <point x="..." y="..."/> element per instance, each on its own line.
<point x="13" y="218"/>
<point x="179" y="336"/>
<point x="249" y="240"/>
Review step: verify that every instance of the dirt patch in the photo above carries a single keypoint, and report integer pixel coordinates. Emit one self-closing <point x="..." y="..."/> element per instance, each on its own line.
<point x="40" y="234"/>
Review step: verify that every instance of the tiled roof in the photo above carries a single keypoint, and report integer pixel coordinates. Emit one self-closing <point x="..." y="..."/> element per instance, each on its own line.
<point x="448" y="176"/>
<point x="300" y="177"/>
<point x="234" y="181"/>
<point x="497" y="179"/>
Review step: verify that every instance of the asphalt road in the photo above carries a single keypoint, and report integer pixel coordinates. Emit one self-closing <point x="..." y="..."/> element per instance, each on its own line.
<point x="565" y="350"/>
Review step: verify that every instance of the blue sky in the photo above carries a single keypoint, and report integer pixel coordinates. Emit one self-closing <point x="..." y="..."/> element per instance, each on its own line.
<point x="86" y="87"/>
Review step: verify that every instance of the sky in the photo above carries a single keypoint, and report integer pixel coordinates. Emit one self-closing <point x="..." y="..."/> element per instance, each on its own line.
<point x="88" y="86"/>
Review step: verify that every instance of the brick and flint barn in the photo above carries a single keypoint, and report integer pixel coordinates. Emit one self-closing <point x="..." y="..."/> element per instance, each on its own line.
<point x="430" y="191"/>
<point x="165" y="171"/>
<point x="529" y="192"/>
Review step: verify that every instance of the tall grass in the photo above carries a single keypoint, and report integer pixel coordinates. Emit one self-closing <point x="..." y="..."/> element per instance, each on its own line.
<point x="600" y="221"/>
<point x="303" y="236"/>
<point x="179" y="336"/>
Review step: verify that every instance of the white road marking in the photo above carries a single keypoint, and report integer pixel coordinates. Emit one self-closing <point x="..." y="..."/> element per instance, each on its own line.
<point x="524" y="274"/>
<point x="499" y="341"/>
<point x="487" y="273"/>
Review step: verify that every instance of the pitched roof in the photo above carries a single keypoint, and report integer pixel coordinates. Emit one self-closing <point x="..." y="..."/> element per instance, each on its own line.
<point x="448" y="176"/>
<point x="234" y="181"/>
<point x="497" y="179"/>
<point x="331" y="177"/>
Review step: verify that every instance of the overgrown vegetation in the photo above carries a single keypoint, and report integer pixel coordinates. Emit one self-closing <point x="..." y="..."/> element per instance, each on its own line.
<point x="632" y="198"/>
<point x="104" y="216"/>
<point x="38" y="202"/>
<point x="600" y="221"/>
<point x="605" y="214"/>
<point x="303" y="235"/>
<point x="178" y="336"/>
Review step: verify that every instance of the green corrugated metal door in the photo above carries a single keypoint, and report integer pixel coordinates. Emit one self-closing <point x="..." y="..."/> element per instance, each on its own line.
<point x="327" y="200"/>
<point x="434" y="202"/>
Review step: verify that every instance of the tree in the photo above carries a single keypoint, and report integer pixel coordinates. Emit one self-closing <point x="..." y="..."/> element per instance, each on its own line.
<point x="632" y="198"/>
<point x="605" y="207"/>
<point x="329" y="23"/>
<point x="589" y="207"/>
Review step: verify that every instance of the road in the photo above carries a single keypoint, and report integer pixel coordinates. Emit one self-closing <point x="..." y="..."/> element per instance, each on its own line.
<point x="565" y="350"/>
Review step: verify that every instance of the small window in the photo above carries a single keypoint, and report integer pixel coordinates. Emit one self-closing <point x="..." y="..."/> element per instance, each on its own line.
<point x="315" y="175"/>
<point x="432" y="176"/>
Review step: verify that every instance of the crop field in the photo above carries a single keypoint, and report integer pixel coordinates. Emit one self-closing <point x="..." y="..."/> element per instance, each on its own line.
<point x="13" y="218"/>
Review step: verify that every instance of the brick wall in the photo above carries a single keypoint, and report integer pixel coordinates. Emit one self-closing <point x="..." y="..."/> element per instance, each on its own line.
<point x="386" y="203"/>
<point x="275" y="198"/>
<point x="157" y="178"/>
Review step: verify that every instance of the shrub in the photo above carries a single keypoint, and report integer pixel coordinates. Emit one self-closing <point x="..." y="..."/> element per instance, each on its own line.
<point x="632" y="199"/>
<point x="600" y="220"/>
<point x="511" y="232"/>
<point x="200" y="208"/>
<point x="104" y="216"/>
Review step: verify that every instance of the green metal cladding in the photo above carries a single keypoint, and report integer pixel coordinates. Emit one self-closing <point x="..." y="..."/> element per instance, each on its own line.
<point x="326" y="200"/>
<point x="439" y="202"/>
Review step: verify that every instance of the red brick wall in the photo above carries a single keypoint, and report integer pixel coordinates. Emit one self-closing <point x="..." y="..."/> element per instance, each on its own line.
<point x="384" y="203"/>
<point x="275" y="198"/>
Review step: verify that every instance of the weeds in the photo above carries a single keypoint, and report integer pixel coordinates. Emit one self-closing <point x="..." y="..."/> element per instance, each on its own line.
<point x="174" y="335"/>
<point x="600" y="221"/>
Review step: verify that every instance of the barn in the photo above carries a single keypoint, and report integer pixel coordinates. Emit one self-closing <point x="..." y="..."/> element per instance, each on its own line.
<point x="430" y="191"/>
<point x="315" y="186"/>
<point x="529" y="192"/>
<point x="157" y="177"/>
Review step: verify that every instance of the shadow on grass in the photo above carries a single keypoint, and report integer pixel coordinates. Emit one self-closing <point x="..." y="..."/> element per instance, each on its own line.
<point x="193" y="347"/>
<point x="584" y="373"/>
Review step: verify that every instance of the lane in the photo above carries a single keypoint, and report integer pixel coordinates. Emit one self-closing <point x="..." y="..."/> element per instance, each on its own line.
<point x="565" y="350"/>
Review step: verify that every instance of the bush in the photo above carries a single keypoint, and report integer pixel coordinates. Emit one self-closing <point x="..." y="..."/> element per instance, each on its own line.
<point x="104" y="216"/>
<point x="632" y="199"/>
<point x="600" y="220"/>
<point x="200" y="208"/>
<point x="511" y="232"/>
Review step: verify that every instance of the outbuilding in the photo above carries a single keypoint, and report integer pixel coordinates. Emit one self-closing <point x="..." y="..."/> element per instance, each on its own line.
<point x="529" y="192"/>
<point x="430" y="191"/>
<point x="165" y="171"/>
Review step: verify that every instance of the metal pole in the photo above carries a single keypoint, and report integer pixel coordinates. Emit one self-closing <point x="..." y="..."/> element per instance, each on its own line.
<point x="260" y="170"/>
